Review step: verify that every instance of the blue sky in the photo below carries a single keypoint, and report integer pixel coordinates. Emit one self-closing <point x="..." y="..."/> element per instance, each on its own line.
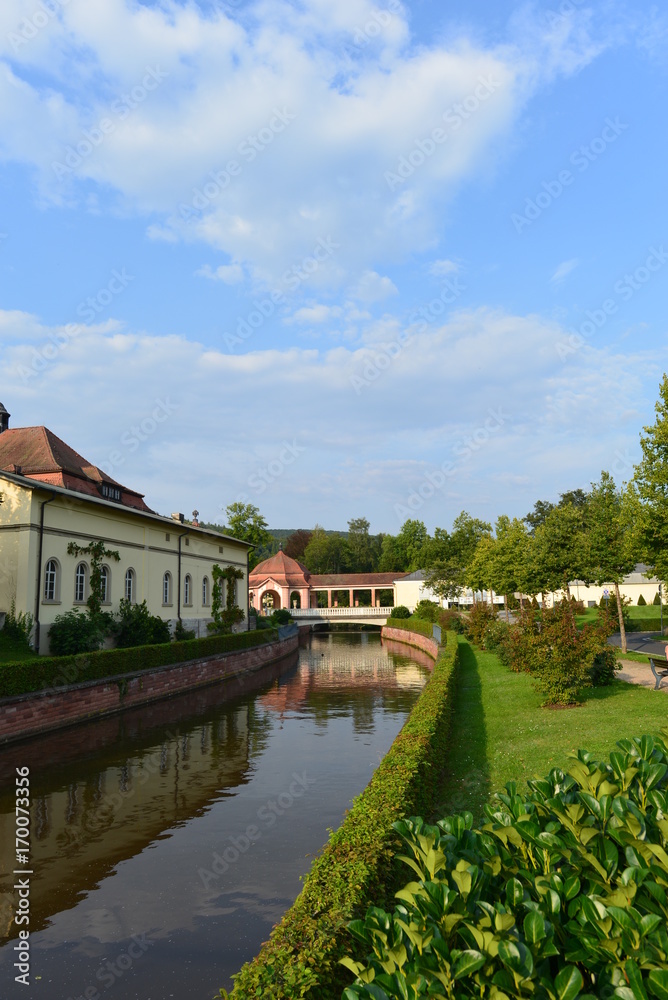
<point x="332" y="257"/>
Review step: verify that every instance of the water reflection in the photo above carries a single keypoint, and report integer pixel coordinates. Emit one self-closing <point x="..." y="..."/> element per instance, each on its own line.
<point x="189" y="822"/>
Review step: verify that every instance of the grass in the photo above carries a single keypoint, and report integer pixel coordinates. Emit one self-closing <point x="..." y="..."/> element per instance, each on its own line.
<point x="11" y="650"/>
<point x="500" y="733"/>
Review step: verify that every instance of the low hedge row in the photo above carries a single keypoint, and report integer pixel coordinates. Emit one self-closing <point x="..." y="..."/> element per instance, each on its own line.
<point x="56" y="671"/>
<point x="645" y="624"/>
<point x="358" y="864"/>
<point x="412" y="625"/>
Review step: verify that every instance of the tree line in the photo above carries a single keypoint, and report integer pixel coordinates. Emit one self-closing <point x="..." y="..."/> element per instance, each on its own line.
<point x="596" y="536"/>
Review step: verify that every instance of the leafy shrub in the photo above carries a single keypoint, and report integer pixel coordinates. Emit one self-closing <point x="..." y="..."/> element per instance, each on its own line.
<point x="281" y="617"/>
<point x="577" y="606"/>
<point x="497" y="637"/>
<point x="561" y="894"/>
<point x="480" y="618"/>
<point x="604" y="665"/>
<point x="73" y="632"/>
<point x="427" y="610"/>
<point x="657" y="600"/>
<point x="451" y="621"/>
<point x="183" y="634"/>
<point x="401" y="611"/>
<point x="136" y="626"/>
<point x="18" y="626"/>
<point x="642" y="603"/>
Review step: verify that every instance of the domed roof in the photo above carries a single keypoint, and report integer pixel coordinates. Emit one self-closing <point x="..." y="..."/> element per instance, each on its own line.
<point x="282" y="569"/>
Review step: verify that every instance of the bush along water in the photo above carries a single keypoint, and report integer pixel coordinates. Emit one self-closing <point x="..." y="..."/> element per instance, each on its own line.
<point x="562" y="894"/>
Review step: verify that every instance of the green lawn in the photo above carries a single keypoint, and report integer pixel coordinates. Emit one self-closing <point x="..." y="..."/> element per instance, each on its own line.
<point x="500" y="732"/>
<point x="11" y="650"/>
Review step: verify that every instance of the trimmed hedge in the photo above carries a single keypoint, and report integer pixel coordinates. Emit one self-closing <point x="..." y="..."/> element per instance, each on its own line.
<point x="57" y="671"/>
<point x="412" y="625"/>
<point x="357" y="865"/>
<point x="645" y="624"/>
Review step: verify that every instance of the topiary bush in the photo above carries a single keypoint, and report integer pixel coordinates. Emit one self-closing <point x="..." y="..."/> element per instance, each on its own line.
<point x="657" y="600"/>
<point x="642" y="603"/>
<point x="401" y="611"/>
<point x="563" y="893"/>
<point x="427" y="610"/>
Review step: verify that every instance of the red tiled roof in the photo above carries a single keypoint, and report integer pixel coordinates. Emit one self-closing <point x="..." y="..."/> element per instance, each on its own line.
<point x="38" y="453"/>
<point x="356" y="580"/>
<point x="281" y="568"/>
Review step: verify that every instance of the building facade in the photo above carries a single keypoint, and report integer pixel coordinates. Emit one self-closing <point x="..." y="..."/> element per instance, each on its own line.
<point x="51" y="497"/>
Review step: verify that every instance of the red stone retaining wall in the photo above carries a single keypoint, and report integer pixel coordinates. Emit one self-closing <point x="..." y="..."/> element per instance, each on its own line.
<point x="411" y="639"/>
<point x="41" y="711"/>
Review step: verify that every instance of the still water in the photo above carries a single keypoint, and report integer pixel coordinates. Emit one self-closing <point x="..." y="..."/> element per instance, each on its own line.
<point x="167" y="841"/>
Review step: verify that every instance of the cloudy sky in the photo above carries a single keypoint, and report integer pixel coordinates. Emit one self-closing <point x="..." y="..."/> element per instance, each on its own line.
<point x="332" y="257"/>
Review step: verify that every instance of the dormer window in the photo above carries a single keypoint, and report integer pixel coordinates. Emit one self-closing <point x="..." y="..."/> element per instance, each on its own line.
<point x="110" y="492"/>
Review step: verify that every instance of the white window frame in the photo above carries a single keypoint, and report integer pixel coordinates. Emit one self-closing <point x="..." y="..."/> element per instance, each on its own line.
<point x="187" y="591"/>
<point x="167" y="590"/>
<point x="105" y="585"/>
<point x="80" y="594"/>
<point x="205" y="592"/>
<point x="51" y="590"/>
<point x="130" y="592"/>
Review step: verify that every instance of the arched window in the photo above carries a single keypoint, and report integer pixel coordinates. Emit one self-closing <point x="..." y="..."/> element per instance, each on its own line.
<point x="205" y="592"/>
<point x="187" y="589"/>
<point x="105" y="584"/>
<point x="130" y="586"/>
<point x="80" y="580"/>
<point x="167" y="588"/>
<point x="51" y="580"/>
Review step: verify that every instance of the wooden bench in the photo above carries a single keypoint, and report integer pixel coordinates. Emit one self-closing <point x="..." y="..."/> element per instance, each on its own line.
<point x="660" y="670"/>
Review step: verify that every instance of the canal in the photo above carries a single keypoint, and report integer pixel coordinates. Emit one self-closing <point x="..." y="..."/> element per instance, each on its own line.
<point x="168" y="840"/>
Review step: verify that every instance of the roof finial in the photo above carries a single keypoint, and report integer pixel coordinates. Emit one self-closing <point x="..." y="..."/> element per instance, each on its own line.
<point x="280" y="546"/>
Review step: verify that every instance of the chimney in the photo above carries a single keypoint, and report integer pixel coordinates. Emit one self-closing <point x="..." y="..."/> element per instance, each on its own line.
<point x="4" y="419"/>
<point x="178" y="517"/>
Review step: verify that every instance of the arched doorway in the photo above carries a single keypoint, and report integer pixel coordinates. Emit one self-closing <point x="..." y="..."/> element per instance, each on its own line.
<point x="271" y="601"/>
<point x="295" y="599"/>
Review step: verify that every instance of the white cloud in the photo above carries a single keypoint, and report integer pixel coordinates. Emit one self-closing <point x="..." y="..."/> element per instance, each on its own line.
<point x="442" y="268"/>
<point x="564" y="269"/>
<point x="262" y="130"/>
<point x="229" y="274"/>
<point x="373" y="287"/>
<point x="315" y="314"/>
<point x="422" y="405"/>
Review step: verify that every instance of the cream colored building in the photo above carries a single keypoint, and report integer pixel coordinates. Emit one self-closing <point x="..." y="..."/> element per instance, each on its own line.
<point x="163" y="560"/>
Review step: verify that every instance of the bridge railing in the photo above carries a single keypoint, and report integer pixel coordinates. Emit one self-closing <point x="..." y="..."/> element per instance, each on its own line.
<point x="341" y="612"/>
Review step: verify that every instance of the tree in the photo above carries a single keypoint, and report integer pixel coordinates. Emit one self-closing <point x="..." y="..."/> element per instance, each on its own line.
<point x="611" y="538"/>
<point x="511" y="558"/>
<point x="297" y="543"/>
<point x="360" y="545"/>
<point x="244" y="521"/>
<point x="560" y="548"/>
<point x="479" y="574"/>
<point x="446" y="575"/>
<point x="651" y="483"/>
<point x="326" y="553"/>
